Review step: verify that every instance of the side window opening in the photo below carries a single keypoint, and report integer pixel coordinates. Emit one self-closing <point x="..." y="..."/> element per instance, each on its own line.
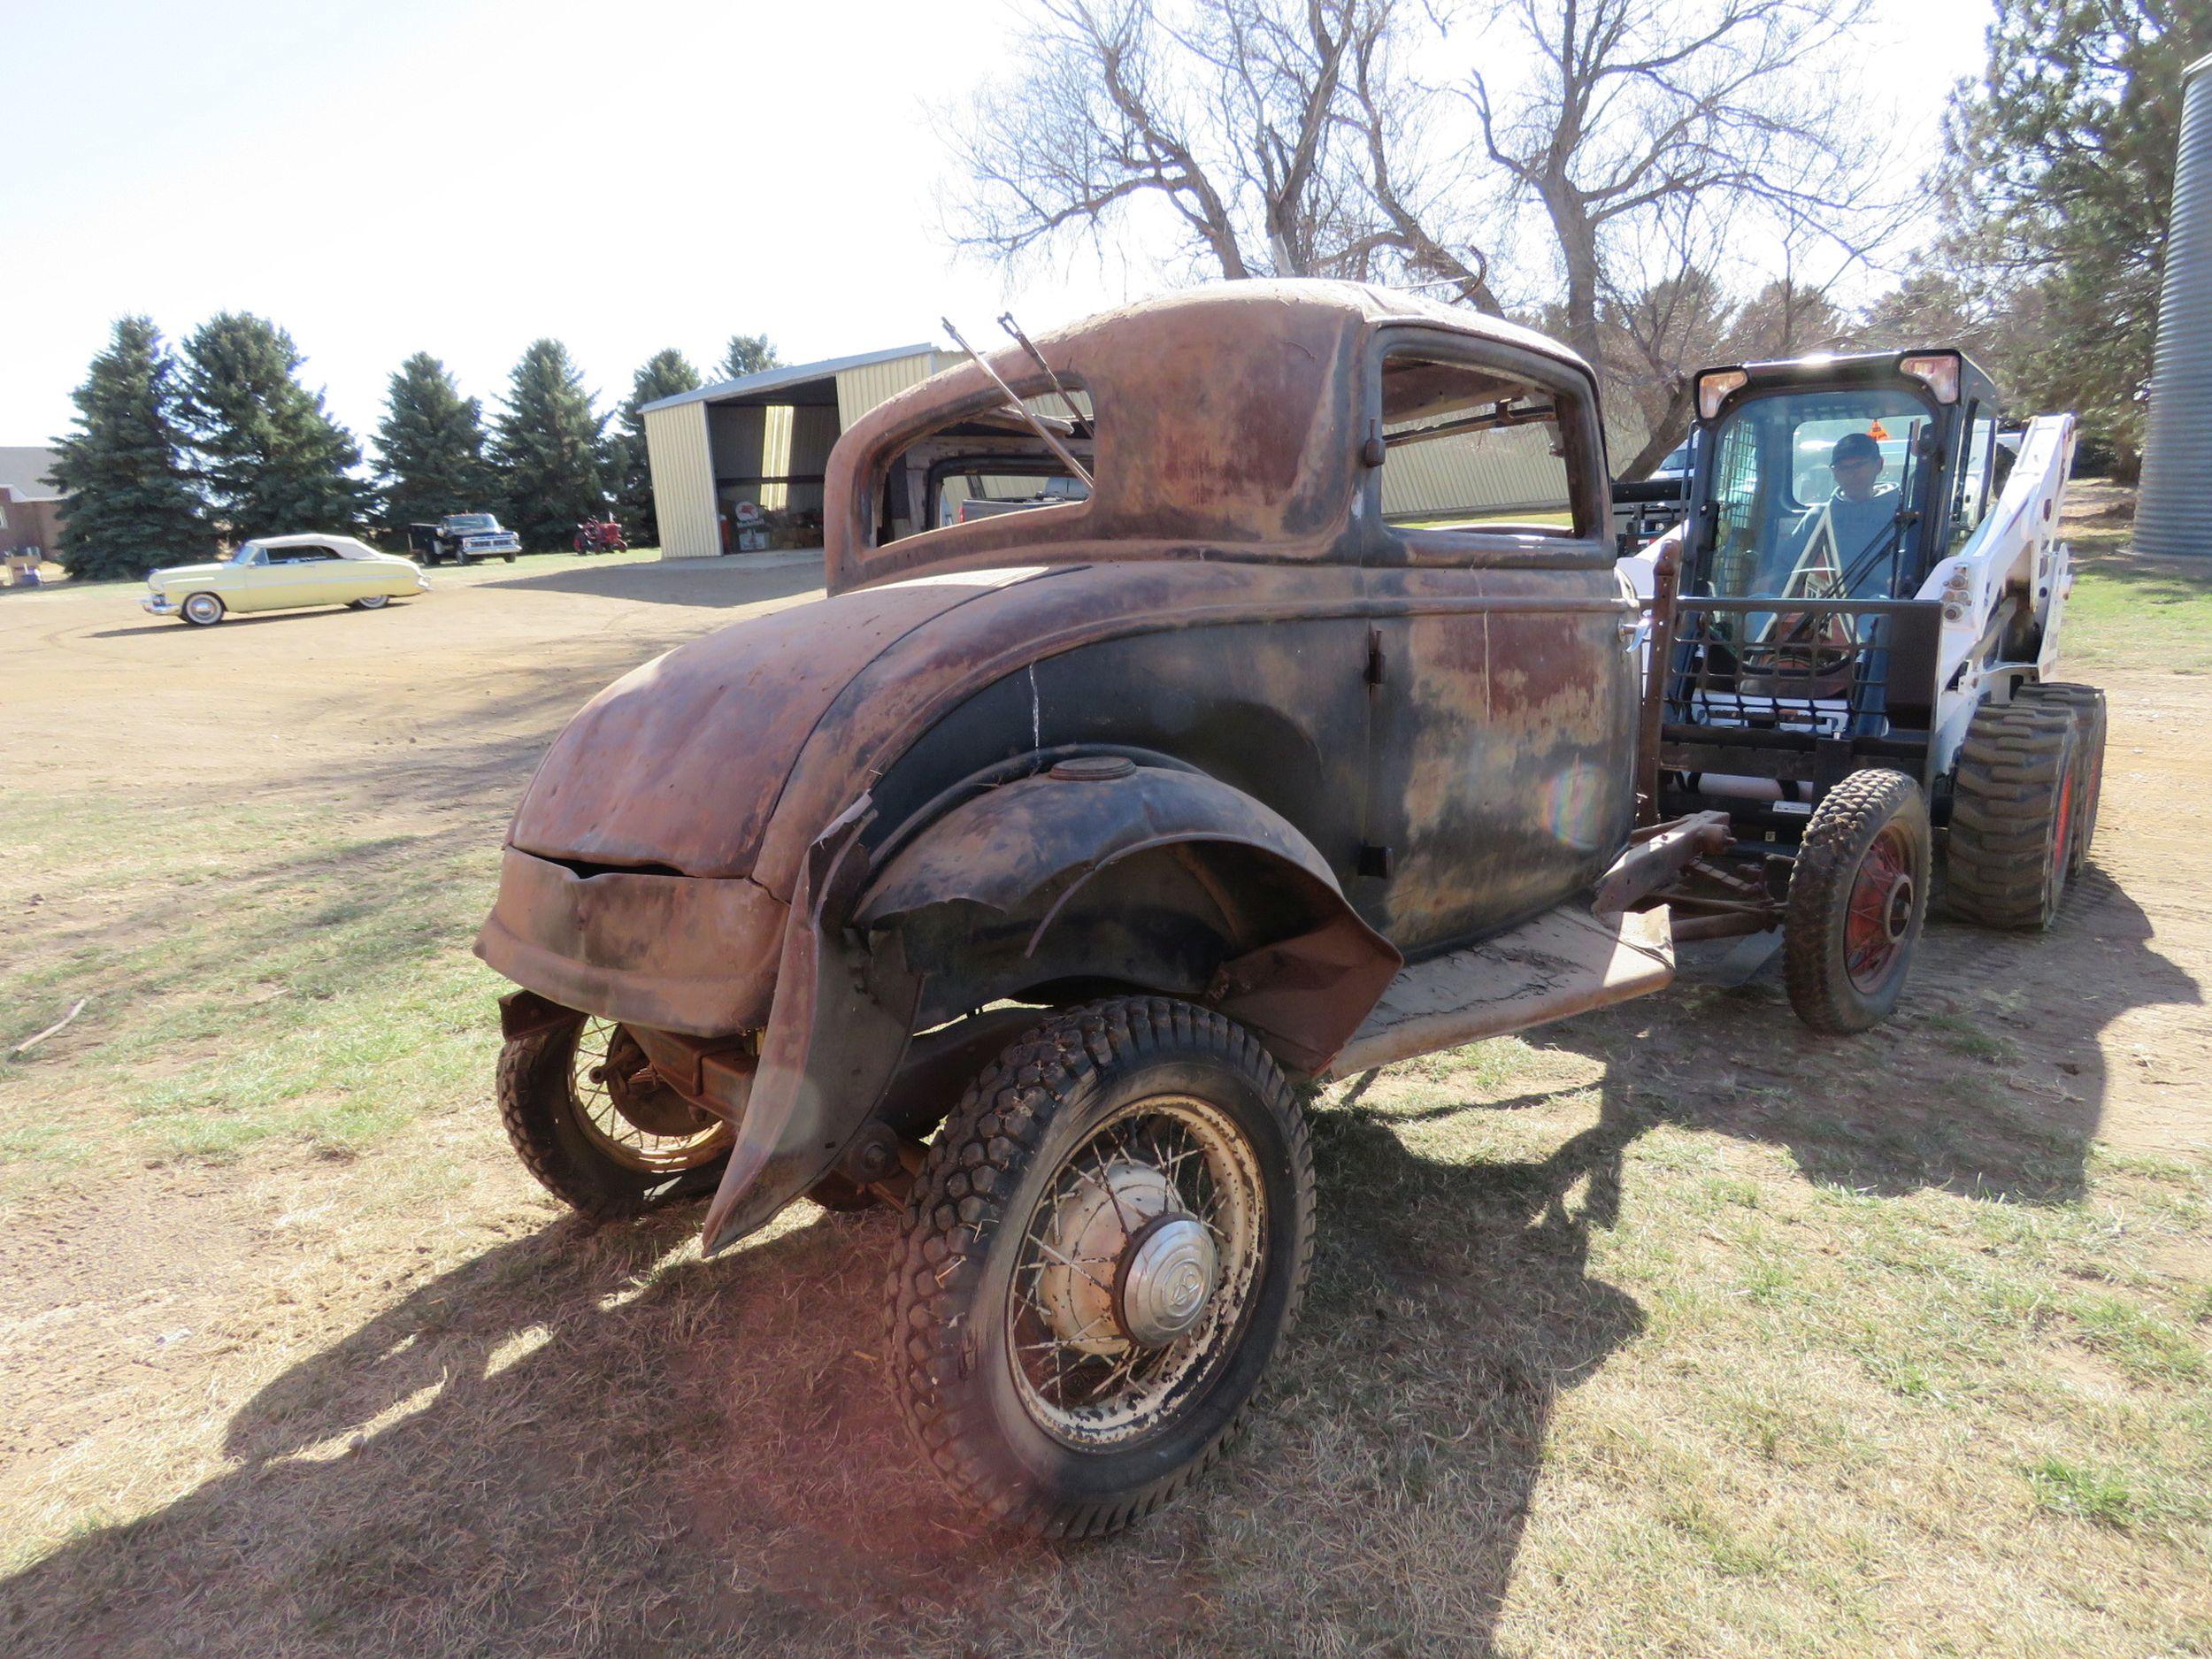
<point x="983" y="465"/>
<point x="1471" y="448"/>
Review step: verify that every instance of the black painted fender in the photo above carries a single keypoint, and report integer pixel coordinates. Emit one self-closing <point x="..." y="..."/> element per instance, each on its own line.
<point x="1162" y="878"/>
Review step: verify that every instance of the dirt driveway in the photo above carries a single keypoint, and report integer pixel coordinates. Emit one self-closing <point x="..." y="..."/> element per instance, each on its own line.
<point x="1669" y="1328"/>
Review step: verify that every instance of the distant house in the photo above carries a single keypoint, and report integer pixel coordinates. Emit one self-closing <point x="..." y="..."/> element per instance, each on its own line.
<point x="30" y="508"/>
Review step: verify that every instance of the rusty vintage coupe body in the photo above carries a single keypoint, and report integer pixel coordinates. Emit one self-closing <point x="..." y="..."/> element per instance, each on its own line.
<point x="1017" y="879"/>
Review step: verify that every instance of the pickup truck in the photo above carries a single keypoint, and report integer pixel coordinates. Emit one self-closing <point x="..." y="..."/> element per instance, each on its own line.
<point x="463" y="536"/>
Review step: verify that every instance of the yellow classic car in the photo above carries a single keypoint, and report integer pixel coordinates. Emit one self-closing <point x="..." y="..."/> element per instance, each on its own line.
<point x="278" y="572"/>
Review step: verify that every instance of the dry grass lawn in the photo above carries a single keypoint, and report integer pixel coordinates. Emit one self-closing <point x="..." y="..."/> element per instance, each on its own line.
<point x="1667" y="1330"/>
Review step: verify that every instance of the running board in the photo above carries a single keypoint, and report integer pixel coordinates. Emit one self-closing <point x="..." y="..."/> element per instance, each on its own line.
<point x="1565" y="962"/>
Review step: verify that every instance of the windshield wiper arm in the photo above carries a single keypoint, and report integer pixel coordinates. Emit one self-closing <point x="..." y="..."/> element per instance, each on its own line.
<point x="1052" y="443"/>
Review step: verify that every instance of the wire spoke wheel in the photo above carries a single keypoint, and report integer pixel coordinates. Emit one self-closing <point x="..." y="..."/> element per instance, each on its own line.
<point x="1879" y="923"/>
<point x="592" y="1120"/>
<point x="629" y="1114"/>
<point x="1135" y="1271"/>
<point x="1105" y="1247"/>
<point x="1858" y="897"/>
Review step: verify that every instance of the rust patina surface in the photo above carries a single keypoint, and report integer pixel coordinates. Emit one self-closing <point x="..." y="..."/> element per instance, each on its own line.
<point x="1349" y="744"/>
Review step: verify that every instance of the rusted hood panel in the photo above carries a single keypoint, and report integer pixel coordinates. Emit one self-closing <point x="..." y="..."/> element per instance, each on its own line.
<point x="679" y="763"/>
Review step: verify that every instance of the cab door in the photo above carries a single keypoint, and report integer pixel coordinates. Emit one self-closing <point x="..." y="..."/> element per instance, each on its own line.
<point x="1501" y="765"/>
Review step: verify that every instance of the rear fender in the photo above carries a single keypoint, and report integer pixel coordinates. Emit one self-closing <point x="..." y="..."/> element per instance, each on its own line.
<point x="1158" y="878"/>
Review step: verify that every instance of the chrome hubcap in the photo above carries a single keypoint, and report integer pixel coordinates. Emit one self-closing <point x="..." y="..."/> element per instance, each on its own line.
<point x="1136" y="1271"/>
<point x="1164" y="1279"/>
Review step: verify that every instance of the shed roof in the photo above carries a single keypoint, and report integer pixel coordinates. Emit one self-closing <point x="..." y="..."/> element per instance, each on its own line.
<point x="23" y="470"/>
<point x="758" y="388"/>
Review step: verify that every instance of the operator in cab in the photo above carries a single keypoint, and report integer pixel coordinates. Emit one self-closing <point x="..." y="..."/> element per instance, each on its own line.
<point x="1840" y="549"/>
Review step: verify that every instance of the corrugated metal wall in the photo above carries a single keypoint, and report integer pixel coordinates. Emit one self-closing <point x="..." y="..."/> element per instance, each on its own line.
<point x="860" y="390"/>
<point x="682" y="465"/>
<point x="1511" y="471"/>
<point x="2169" y="516"/>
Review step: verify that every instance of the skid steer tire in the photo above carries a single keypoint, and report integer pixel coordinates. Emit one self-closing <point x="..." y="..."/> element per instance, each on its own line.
<point x="2087" y="702"/>
<point x="1858" y="898"/>
<point x="1117" y="1099"/>
<point x="2012" y="815"/>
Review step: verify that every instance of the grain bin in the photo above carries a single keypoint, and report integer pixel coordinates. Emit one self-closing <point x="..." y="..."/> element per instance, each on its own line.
<point x="2170" y="515"/>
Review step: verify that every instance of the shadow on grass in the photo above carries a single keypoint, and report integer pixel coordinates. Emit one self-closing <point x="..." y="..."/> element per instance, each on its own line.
<point x="590" y="1442"/>
<point x="1990" y="1082"/>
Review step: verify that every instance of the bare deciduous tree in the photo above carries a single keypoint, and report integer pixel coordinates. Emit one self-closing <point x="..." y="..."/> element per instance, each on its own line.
<point x="1231" y="113"/>
<point x="1667" y="154"/>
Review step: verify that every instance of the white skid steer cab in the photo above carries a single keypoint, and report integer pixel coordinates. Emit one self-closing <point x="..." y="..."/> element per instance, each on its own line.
<point x="1853" y="637"/>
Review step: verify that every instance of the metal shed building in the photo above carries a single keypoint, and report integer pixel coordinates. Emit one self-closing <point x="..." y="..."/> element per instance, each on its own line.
<point x="763" y="439"/>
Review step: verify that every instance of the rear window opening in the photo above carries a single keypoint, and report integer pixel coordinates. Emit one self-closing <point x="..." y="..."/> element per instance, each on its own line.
<point x="1471" y="448"/>
<point x="982" y="466"/>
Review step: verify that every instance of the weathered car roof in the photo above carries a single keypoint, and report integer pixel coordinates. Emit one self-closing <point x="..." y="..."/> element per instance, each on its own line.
<point x="1228" y="416"/>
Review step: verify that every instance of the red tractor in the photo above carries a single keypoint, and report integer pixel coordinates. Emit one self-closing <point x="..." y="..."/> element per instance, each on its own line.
<point x="600" y="535"/>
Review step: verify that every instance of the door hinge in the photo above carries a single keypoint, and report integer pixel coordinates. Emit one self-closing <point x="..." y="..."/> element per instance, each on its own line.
<point x="1374" y="657"/>
<point x="1373" y="861"/>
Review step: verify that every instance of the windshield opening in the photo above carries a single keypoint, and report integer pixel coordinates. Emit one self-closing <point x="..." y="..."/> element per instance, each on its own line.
<point x="982" y="466"/>
<point x="472" y="521"/>
<point x="1810" y="494"/>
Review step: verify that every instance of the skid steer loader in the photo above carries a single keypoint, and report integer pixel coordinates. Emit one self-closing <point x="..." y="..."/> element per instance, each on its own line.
<point x="1851" y="640"/>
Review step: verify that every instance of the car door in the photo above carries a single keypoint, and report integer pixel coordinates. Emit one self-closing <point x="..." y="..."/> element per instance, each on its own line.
<point x="254" y="580"/>
<point x="322" y="576"/>
<point x="1500" y="767"/>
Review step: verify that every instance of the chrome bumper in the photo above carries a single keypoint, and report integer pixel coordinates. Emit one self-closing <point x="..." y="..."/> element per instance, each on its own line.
<point x="160" y="604"/>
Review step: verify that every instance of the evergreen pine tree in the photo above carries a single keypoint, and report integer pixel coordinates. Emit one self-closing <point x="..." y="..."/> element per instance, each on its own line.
<point x="749" y="354"/>
<point x="2060" y="178"/>
<point x="550" y="444"/>
<point x="133" y="506"/>
<point x="431" y="447"/>
<point x="665" y="374"/>
<point x="276" y="462"/>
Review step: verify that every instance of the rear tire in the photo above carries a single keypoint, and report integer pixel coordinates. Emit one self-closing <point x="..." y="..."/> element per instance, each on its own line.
<point x="369" y="602"/>
<point x="1065" y="1406"/>
<point x="570" y="1131"/>
<point x="1858" y="899"/>
<point x="2088" y="705"/>
<point x="2012" y="810"/>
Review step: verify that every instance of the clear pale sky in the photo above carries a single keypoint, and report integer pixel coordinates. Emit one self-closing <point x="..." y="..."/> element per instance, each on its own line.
<point x="462" y="176"/>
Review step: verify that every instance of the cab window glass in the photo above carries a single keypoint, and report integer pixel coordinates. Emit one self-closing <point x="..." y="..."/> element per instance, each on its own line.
<point x="1469" y="448"/>
<point x="1809" y="496"/>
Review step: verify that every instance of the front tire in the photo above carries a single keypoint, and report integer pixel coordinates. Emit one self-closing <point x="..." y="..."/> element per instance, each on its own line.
<point x="1858" y="899"/>
<point x="599" y="1131"/>
<point x="202" y="610"/>
<point x="1107" y="1243"/>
